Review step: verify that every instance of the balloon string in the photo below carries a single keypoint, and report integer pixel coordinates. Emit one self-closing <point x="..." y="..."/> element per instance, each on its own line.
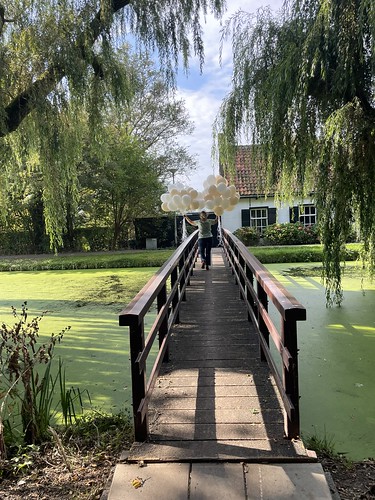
<point x="184" y="230"/>
<point x="219" y="233"/>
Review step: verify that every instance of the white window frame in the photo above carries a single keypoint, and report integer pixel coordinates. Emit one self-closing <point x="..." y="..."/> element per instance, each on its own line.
<point x="259" y="220"/>
<point x="307" y="215"/>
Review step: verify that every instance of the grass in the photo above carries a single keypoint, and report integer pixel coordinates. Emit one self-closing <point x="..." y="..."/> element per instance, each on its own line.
<point x="110" y="260"/>
<point x="155" y="258"/>
<point x="299" y="253"/>
<point x="324" y="445"/>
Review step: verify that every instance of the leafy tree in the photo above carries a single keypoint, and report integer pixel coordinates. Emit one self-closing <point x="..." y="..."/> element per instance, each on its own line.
<point x="57" y="57"/>
<point x="303" y="87"/>
<point x="123" y="187"/>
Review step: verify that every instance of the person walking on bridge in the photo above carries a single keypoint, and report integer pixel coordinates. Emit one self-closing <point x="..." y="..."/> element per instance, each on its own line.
<point x="204" y="237"/>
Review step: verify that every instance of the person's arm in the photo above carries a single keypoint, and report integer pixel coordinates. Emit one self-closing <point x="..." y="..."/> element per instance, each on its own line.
<point x="214" y="221"/>
<point x="189" y="220"/>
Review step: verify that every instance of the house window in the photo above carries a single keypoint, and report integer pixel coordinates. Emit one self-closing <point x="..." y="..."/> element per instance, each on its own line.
<point x="259" y="218"/>
<point x="307" y="215"/>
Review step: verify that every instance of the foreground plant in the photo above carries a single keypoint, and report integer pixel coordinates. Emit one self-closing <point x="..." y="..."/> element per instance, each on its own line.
<point x="27" y="391"/>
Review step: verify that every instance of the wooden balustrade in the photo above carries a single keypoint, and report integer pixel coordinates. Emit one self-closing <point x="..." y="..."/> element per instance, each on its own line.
<point x="257" y="287"/>
<point x="167" y="288"/>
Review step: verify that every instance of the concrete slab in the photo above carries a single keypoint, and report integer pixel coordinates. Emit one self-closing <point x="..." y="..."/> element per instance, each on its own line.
<point x="215" y="481"/>
<point x="158" y="482"/>
<point x="286" y="482"/>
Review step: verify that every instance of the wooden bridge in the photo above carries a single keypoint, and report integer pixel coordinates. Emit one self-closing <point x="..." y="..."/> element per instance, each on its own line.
<point x="221" y="399"/>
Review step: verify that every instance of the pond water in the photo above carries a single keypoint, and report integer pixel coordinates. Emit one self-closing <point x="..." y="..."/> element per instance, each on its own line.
<point x="336" y="360"/>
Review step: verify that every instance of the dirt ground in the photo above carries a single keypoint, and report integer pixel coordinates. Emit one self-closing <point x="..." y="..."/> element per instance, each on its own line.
<point x="90" y="476"/>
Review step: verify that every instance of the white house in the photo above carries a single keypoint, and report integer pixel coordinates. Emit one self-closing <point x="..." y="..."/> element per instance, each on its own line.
<point x="255" y="208"/>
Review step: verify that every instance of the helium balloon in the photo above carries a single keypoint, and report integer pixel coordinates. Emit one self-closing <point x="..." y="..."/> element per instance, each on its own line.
<point x="221" y="187"/>
<point x="172" y="206"/>
<point x="218" y="211"/>
<point x="211" y="179"/>
<point x="186" y="200"/>
<point x="212" y="189"/>
<point x="210" y="204"/>
<point x="225" y="203"/>
<point x="173" y="191"/>
<point x="165" y="197"/>
<point x="176" y="199"/>
<point x="165" y="207"/>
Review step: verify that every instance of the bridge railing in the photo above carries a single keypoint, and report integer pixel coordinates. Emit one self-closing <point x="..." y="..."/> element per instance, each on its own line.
<point x="257" y="287"/>
<point x="167" y="289"/>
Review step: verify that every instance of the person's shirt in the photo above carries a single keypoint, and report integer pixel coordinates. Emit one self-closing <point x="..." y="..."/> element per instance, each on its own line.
<point x="204" y="227"/>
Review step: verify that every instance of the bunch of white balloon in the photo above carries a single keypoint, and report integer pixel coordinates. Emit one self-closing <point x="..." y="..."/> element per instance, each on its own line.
<point x="217" y="197"/>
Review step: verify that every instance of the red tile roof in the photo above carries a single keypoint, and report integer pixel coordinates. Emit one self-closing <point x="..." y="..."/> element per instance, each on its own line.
<point x="249" y="176"/>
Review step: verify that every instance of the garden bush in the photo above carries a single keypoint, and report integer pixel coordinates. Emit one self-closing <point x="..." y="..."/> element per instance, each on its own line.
<point x="291" y="234"/>
<point x="248" y="235"/>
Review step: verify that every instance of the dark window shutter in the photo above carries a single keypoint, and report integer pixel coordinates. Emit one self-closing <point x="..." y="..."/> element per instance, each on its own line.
<point x="294" y="214"/>
<point x="245" y="217"/>
<point x="271" y="216"/>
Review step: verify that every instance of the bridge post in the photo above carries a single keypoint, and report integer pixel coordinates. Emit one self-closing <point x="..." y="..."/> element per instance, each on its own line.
<point x="249" y="287"/>
<point x="137" y="344"/>
<point x="175" y="300"/>
<point x="263" y="299"/>
<point x="290" y="377"/>
<point x="163" y="330"/>
<point x="181" y="271"/>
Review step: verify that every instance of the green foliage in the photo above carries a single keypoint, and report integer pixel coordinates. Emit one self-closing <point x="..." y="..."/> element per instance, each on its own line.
<point x="109" y="432"/>
<point x="27" y="388"/>
<point x="291" y="234"/>
<point x="324" y="445"/>
<point x="305" y="91"/>
<point x="248" y="235"/>
<point x="23" y="459"/>
<point x="126" y="259"/>
<point x="69" y="397"/>
<point x="302" y="253"/>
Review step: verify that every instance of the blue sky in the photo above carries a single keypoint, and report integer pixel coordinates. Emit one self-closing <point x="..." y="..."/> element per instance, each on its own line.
<point x="203" y="94"/>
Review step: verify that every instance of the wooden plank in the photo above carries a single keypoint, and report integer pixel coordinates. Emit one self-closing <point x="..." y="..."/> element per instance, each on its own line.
<point x="215" y="404"/>
<point x="245" y="416"/>
<point x="206" y="391"/>
<point x="215" y="431"/>
<point x="233" y="450"/>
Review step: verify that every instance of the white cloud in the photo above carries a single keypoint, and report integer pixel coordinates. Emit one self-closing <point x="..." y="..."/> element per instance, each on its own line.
<point x="204" y="93"/>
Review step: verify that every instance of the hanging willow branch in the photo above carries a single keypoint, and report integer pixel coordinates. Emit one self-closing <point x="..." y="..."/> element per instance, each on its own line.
<point x="303" y="85"/>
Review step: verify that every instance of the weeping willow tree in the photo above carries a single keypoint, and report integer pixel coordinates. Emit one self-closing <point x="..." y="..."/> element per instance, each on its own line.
<point x="58" y="69"/>
<point x="303" y="90"/>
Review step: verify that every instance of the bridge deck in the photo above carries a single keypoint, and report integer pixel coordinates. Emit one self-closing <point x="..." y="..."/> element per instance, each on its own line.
<point x="215" y="399"/>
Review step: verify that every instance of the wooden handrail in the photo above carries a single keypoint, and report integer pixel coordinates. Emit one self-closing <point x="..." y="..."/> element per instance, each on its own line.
<point x="248" y="272"/>
<point x="167" y="288"/>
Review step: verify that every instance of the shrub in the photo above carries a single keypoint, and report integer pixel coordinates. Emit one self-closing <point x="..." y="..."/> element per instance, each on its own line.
<point x="248" y="235"/>
<point x="291" y="234"/>
<point x="27" y="390"/>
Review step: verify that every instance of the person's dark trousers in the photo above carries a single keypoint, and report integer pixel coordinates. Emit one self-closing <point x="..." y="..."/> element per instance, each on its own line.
<point x="205" y="245"/>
